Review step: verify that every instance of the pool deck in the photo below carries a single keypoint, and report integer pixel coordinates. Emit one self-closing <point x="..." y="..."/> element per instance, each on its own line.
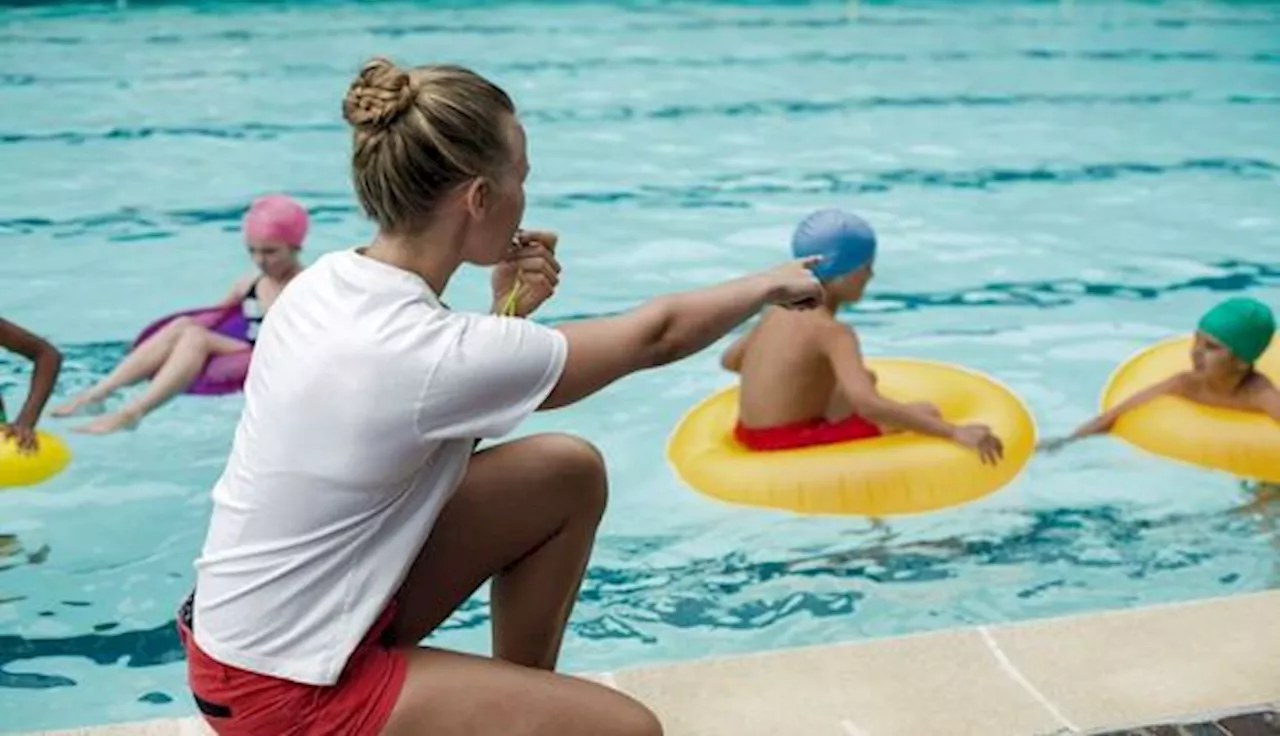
<point x="1089" y="674"/>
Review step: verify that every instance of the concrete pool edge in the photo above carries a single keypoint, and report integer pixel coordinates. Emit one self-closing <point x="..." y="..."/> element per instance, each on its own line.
<point x="1075" y="674"/>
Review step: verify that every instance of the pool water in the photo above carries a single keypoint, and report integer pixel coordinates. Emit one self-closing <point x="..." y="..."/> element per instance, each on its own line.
<point x="1055" y="185"/>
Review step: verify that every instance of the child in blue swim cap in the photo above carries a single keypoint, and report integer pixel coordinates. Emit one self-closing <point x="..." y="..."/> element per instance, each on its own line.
<point x="1229" y="340"/>
<point x="803" y="379"/>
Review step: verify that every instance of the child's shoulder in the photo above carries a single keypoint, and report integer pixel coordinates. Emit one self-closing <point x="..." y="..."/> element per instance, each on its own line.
<point x="814" y="325"/>
<point x="1259" y="386"/>
<point x="824" y="330"/>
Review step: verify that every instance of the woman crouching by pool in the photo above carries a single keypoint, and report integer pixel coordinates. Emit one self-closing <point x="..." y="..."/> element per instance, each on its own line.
<point x="354" y="514"/>
<point x="172" y="357"/>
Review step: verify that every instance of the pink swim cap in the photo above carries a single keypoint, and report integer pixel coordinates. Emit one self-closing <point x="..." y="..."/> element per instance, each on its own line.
<point x="277" y="218"/>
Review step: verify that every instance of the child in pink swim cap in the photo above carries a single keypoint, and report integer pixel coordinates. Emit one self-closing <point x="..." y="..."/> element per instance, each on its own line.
<point x="278" y="219"/>
<point x="274" y="227"/>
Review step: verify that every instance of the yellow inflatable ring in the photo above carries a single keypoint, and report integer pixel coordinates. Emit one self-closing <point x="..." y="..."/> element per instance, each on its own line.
<point x="896" y="474"/>
<point x="1246" y="444"/>
<point x="20" y="469"/>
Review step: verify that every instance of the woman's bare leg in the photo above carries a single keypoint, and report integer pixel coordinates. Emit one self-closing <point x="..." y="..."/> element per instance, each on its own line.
<point x="140" y="364"/>
<point x="525" y="515"/>
<point x="452" y="694"/>
<point x="194" y="346"/>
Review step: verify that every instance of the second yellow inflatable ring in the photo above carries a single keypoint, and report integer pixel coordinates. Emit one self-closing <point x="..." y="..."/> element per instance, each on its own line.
<point x="20" y="469"/>
<point x="1244" y="443"/>
<point x="896" y="474"/>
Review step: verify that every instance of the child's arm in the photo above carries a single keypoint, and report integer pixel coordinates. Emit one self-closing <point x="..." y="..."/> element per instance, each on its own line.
<point x="1103" y="423"/>
<point x="732" y="358"/>
<point x="1268" y="402"/>
<point x="840" y="345"/>
<point x="47" y="362"/>
<point x="238" y="290"/>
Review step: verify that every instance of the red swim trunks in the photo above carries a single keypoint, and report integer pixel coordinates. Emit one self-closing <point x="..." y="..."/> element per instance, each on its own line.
<point x="237" y="702"/>
<point x="806" y="434"/>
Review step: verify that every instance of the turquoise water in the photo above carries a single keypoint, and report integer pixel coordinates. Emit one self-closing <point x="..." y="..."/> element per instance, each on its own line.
<point x="1055" y="186"/>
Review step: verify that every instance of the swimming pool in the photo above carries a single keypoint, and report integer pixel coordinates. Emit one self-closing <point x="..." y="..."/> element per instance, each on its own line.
<point x="1055" y="185"/>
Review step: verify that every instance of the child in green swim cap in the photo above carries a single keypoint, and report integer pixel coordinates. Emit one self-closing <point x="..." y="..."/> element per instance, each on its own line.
<point x="1230" y="339"/>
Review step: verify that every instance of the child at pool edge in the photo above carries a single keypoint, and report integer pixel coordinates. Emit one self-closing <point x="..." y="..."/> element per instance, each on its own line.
<point x="803" y="379"/>
<point x="46" y="363"/>
<point x="274" y="229"/>
<point x="1229" y="340"/>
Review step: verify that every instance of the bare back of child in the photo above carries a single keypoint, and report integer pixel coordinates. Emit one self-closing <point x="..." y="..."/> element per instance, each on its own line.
<point x="789" y="384"/>
<point x="803" y="378"/>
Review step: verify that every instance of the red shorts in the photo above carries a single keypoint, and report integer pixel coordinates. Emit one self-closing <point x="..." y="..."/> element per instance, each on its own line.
<point x="806" y="434"/>
<point x="237" y="702"/>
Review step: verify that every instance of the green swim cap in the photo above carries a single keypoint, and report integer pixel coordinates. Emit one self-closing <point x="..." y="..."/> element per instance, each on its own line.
<point x="1244" y="325"/>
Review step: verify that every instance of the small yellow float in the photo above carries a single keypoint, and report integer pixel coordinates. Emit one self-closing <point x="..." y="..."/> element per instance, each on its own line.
<point x="18" y="468"/>
<point x="896" y="474"/>
<point x="1244" y="443"/>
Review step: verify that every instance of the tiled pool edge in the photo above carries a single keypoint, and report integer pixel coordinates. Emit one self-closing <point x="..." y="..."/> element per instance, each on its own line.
<point x="1076" y="674"/>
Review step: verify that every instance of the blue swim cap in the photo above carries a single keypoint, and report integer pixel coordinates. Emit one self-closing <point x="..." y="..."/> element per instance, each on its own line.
<point x="845" y="241"/>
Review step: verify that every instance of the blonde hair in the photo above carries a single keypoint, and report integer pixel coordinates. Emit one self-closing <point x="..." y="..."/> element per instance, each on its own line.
<point x="419" y="133"/>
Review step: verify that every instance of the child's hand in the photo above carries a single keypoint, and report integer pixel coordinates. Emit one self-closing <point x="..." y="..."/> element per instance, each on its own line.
<point x="979" y="438"/>
<point x="23" y="436"/>
<point x="1054" y="444"/>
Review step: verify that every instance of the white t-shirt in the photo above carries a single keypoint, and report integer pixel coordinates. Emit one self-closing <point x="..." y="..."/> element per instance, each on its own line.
<point x="362" y="404"/>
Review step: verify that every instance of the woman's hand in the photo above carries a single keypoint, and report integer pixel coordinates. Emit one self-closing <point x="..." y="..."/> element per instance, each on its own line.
<point x="793" y="285"/>
<point x="528" y="276"/>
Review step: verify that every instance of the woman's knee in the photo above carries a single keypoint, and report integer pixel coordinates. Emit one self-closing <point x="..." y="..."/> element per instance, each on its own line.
<point x="575" y="453"/>
<point x="618" y="714"/>
<point x="637" y="720"/>
<point x="579" y="466"/>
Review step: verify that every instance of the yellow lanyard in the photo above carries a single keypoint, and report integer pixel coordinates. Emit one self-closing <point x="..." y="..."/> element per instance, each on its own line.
<point x="509" y="306"/>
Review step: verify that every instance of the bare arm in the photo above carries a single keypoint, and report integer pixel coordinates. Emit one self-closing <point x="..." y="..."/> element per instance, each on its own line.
<point x="47" y="362"/>
<point x="1103" y="423"/>
<point x="669" y="328"/>
<point x="842" y="349"/>
<point x="238" y="290"/>
<point x="1268" y="402"/>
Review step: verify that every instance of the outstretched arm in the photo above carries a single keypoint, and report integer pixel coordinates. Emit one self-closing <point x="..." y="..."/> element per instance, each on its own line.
<point x="672" y="327"/>
<point x="845" y="354"/>
<point x="1103" y="423"/>
<point x="47" y="362"/>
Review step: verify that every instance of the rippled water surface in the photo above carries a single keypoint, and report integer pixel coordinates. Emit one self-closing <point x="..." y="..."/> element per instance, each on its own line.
<point x="1055" y="185"/>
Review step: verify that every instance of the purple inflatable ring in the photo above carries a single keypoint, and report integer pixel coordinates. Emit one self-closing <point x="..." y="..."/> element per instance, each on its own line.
<point x="222" y="374"/>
